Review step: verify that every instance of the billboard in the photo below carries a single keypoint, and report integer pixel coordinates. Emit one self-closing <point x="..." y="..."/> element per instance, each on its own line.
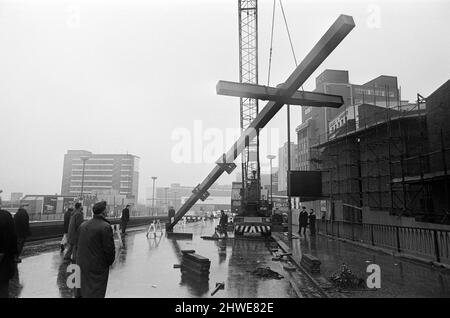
<point x="307" y="185"/>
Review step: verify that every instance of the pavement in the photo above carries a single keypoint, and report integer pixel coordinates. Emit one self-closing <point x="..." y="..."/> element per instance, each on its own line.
<point x="399" y="277"/>
<point x="144" y="267"/>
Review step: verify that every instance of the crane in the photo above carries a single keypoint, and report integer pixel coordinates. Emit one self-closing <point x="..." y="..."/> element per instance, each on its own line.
<point x="248" y="73"/>
<point x="287" y="90"/>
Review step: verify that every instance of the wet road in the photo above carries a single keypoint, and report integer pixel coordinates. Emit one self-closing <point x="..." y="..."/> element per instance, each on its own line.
<point x="399" y="277"/>
<point x="144" y="268"/>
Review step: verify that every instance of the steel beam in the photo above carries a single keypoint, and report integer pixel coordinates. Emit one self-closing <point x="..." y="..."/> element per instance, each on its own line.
<point x="329" y="41"/>
<point x="273" y="94"/>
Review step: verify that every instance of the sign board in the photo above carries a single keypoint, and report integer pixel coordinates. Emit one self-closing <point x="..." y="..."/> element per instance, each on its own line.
<point x="305" y="184"/>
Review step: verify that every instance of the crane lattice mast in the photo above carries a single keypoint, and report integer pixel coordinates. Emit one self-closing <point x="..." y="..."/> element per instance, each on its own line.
<point x="248" y="73"/>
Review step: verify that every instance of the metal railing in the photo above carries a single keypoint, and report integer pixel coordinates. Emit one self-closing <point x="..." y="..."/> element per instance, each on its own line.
<point x="60" y="216"/>
<point x="430" y="244"/>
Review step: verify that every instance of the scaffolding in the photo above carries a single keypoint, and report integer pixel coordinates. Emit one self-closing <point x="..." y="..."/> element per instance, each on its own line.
<point x="383" y="159"/>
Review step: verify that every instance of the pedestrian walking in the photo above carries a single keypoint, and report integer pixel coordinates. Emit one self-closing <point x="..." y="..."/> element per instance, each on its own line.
<point x="67" y="215"/>
<point x="312" y="222"/>
<point x="8" y="251"/>
<point x="302" y="221"/>
<point x="74" y="232"/>
<point x="96" y="253"/>
<point x="22" y="227"/>
<point x="171" y="214"/>
<point x="125" y="218"/>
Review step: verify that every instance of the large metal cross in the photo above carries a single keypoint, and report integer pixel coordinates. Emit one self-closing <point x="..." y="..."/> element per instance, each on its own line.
<point x="284" y="93"/>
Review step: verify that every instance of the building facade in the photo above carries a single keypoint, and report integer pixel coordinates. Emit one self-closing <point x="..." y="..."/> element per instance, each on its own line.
<point x="104" y="174"/>
<point x="319" y="122"/>
<point x="392" y="164"/>
<point x="176" y="194"/>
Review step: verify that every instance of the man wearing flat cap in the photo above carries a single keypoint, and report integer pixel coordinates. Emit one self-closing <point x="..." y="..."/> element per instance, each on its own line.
<point x="96" y="253"/>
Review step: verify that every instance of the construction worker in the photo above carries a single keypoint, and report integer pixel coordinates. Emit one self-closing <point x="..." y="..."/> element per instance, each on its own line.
<point x="223" y="222"/>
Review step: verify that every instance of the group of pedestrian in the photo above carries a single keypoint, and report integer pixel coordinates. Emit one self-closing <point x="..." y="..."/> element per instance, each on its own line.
<point x="90" y="245"/>
<point x="13" y="234"/>
<point x="87" y="243"/>
<point x="304" y="219"/>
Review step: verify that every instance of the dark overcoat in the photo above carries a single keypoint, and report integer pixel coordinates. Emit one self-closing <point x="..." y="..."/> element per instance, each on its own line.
<point x="96" y="253"/>
<point x="303" y="218"/>
<point x="8" y="246"/>
<point x="74" y="226"/>
<point x="67" y="216"/>
<point x="125" y="215"/>
<point x="22" y="223"/>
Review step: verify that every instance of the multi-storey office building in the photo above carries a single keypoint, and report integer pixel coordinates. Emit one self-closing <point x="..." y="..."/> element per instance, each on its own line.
<point x="113" y="173"/>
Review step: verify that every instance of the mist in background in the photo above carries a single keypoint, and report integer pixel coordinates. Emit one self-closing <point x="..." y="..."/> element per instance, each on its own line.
<point x="123" y="76"/>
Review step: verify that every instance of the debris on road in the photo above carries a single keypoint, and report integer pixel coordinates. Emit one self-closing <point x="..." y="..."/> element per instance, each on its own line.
<point x="179" y="236"/>
<point x="288" y="267"/>
<point x="266" y="273"/>
<point x="211" y="238"/>
<point x="219" y="286"/>
<point x="310" y="263"/>
<point x="196" y="264"/>
<point x="346" y="279"/>
<point x="279" y="257"/>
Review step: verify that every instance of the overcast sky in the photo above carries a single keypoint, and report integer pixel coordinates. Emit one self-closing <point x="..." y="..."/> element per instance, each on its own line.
<point x="133" y="76"/>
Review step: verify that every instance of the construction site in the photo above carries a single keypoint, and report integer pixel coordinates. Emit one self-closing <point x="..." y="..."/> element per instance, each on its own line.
<point x="391" y="159"/>
<point x="362" y="196"/>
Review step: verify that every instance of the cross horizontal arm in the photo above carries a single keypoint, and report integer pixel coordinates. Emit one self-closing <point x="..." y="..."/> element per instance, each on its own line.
<point x="301" y="98"/>
<point x="329" y="41"/>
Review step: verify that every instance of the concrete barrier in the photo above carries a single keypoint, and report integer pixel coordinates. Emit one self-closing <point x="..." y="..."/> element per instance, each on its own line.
<point x="54" y="229"/>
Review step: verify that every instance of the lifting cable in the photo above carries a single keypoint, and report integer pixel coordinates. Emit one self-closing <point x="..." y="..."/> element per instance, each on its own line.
<point x="271" y="42"/>
<point x="271" y="39"/>
<point x="289" y="36"/>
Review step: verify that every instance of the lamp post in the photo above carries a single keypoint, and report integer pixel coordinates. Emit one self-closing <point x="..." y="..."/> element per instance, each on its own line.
<point x="84" y="159"/>
<point x="271" y="157"/>
<point x="288" y="188"/>
<point x="153" y="198"/>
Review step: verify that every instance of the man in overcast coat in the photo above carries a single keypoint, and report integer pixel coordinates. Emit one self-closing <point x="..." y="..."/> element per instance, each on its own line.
<point x="96" y="253"/>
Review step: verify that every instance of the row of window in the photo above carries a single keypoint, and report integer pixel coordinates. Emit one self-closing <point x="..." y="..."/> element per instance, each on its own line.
<point x="376" y="92"/>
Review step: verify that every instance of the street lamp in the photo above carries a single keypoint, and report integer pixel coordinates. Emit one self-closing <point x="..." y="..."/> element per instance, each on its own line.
<point x="167" y="202"/>
<point x="271" y="157"/>
<point x="84" y="159"/>
<point x="153" y="198"/>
